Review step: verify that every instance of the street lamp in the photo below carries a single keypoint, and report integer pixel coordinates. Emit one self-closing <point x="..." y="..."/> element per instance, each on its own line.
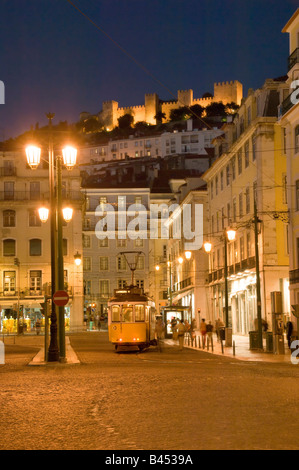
<point x="57" y="272"/>
<point x="78" y="259"/>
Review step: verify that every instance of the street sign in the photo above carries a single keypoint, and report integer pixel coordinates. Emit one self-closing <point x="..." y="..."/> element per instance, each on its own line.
<point x="61" y="298"/>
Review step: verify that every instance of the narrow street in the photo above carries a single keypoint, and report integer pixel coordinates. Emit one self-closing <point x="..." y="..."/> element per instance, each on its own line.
<point x="173" y="400"/>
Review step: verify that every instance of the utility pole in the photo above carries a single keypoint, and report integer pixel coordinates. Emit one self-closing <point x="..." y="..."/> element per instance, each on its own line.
<point x="258" y="281"/>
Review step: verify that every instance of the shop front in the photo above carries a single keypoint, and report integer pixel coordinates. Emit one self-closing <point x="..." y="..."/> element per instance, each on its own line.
<point x="243" y="304"/>
<point x="21" y="317"/>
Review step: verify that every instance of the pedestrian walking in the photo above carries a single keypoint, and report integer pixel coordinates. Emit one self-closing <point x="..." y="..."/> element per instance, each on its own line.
<point x="210" y="329"/>
<point x="203" y="332"/>
<point x="219" y="325"/>
<point x="289" y="332"/>
<point x="38" y="326"/>
<point x="181" y="333"/>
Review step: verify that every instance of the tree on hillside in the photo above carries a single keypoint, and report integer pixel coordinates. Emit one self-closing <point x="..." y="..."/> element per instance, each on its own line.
<point x="180" y="114"/>
<point x="160" y="116"/>
<point x="126" y="121"/>
<point x="216" y="109"/>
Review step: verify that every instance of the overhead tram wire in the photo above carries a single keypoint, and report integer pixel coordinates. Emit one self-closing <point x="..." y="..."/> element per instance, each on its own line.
<point x="139" y="64"/>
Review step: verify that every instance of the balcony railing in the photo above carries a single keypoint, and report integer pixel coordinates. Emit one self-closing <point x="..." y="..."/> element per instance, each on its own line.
<point x="285" y="106"/>
<point x="293" y="59"/>
<point x="241" y="266"/>
<point x="294" y="276"/>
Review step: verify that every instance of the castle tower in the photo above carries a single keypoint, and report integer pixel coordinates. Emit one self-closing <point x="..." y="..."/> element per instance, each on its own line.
<point x="228" y="92"/>
<point x="151" y="102"/>
<point x="185" y="98"/>
<point x="109" y="114"/>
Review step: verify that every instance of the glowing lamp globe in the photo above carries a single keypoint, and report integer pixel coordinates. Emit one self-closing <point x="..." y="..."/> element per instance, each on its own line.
<point x="33" y="156"/>
<point x="69" y="155"/>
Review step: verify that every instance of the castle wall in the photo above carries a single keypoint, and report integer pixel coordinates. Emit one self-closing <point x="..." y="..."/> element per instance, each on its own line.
<point x="226" y="92"/>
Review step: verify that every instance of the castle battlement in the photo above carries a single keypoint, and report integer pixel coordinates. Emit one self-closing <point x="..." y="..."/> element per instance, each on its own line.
<point x="226" y="92"/>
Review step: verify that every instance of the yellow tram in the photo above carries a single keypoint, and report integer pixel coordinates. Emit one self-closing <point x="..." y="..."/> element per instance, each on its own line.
<point x="131" y="319"/>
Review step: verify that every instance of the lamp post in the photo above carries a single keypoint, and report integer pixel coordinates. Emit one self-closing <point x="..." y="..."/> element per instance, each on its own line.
<point x="56" y="352"/>
<point x="258" y="281"/>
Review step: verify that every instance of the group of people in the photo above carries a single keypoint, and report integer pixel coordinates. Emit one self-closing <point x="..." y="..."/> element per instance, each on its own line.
<point x="179" y="327"/>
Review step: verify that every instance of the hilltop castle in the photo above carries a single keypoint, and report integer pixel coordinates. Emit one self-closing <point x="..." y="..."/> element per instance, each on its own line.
<point x="225" y="92"/>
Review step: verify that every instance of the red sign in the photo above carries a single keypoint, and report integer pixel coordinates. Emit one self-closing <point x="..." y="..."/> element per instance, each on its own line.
<point x="61" y="298"/>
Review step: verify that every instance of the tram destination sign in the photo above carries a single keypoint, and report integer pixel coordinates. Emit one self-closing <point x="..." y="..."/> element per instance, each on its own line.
<point x="61" y="298"/>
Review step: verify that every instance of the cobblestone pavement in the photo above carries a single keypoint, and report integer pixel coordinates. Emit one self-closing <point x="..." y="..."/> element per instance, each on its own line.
<point x="150" y="401"/>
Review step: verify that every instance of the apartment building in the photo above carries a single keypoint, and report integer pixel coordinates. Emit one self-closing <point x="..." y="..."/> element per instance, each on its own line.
<point x="105" y="267"/>
<point x="187" y="260"/>
<point x="25" y="259"/>
<point x="289" y="120"/>
<point x="187" y="142"/>
<point x="250" y="166"/>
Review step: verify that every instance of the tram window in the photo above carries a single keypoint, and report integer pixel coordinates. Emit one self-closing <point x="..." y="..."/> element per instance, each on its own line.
<point x="147" y="313"/>
<point x="115" y="312"/>
<point x="139" y="313"/>
<point x="127" y="313"/>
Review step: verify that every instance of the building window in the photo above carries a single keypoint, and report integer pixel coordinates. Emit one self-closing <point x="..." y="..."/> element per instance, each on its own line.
<point x="121" y="243"/>
<point x="121" y="263"/>
<point x="297" y="139"/>
<point x="221" y="180"/>
<point x="234" y="210"/>
<point x="248" y="240"/>
<point x="34" y="220"/>
<point x="9" y="190"/>
<point x="233" y="168"/>
<point x="140" y="283"/>
<point x="9" y="218"/>
<point x="227" y="176"/>
<point x="35" y="281"/>
<point x="35" y="190"/>
<point x="121" y="283"/>
<point x="35" y="247"/>
<point x="253" y="150"/>
<point x="9" y="281"/>
<point x="241" y="205"/>
<point x="104" y="263"/>
<point x="86" y="263"/>
<point x="103" y="243"/>
<point x="138" y="243"/>
<point x="86" y="241"/>
<point x="9" y="247"/>
<point x="104" y="287"/>
<point x="240" y="162"/>
<point x="247" y="200"/>
<point x="139" y="262"/>
<point x="246" y="154"/>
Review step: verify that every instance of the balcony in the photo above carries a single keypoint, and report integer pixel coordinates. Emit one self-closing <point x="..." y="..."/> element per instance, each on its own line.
<point x="285" y="106"/>
<point x="293" y="59"/>
<point x="294" y="276"/>
<point x="234" y="269"/>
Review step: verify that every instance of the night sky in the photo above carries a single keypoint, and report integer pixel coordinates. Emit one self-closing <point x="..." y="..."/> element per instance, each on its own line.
<point x="53" y="59"/>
